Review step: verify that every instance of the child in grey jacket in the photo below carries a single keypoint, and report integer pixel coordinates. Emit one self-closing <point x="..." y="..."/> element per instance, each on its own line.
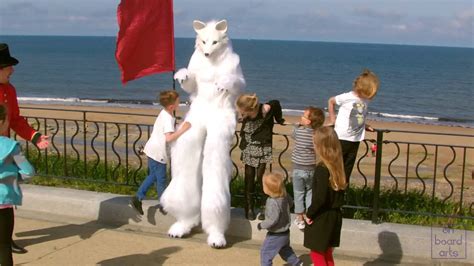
<point x="277" y="222"/>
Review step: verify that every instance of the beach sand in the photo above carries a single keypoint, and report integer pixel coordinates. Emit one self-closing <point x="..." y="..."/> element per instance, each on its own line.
<point x="452" y="165"/>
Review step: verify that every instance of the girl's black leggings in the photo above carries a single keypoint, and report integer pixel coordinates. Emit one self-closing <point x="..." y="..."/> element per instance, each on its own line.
<point x="6" y="232"/>
<point x="250" y="179"/>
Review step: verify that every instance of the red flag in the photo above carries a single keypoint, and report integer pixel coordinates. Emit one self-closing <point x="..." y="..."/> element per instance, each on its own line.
<point x="145" y="42"/>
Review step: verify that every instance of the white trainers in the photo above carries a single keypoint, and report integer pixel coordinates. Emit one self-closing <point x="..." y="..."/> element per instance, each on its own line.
<point x="299" y="223"/>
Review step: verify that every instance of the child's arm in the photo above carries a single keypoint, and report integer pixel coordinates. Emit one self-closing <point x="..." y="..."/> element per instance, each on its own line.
<point x="172" y="136"/>
<point x="331" y="111"/>
<point x="272" y="214"/>
<point x="275" y="106"/>
<point x="25" y="168"/>
<point x="320" y="187"/>
<point x="369" y="128"/>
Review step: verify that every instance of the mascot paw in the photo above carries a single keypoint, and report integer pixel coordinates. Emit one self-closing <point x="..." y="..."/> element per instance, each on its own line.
<point x="182" y="75"/>
<point x="224" y="84"/>
<point x="216" y="240"/>
<point x="178" y="230"/>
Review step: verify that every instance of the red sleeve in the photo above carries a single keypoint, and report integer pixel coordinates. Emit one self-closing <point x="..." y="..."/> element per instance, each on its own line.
<point x="17" y="122"/>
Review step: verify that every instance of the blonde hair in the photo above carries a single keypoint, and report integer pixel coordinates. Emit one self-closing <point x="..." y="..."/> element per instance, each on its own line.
<point x="274" y="185"/>
<point x="328" y="149"/>
<point x="366" y="85"/>
<point x="247" y="102"/>
<point x="316" y="116"/>
<point x="168" y="98"/>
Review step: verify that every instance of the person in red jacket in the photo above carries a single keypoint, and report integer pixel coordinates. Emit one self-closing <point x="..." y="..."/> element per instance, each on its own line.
<point x="14" y="120"/>
<point x="17" y="123"/>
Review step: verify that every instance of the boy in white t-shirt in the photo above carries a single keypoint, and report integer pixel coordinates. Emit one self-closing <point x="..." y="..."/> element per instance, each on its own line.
<point x="350" y="123"/>
<point x="157" y="148"/>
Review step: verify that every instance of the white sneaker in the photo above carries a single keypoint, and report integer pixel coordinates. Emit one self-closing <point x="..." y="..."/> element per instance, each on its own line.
<point x="299" y="223"/>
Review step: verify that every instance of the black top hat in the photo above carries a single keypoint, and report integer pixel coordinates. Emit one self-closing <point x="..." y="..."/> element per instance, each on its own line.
<point x="5" y="58"/>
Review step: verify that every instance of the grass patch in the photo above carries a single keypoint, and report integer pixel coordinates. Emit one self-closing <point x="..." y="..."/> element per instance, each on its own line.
<point x="412" y="201"/>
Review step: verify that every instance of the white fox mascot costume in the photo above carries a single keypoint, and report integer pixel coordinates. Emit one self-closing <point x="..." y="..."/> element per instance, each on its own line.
<point x="200" y="160"/>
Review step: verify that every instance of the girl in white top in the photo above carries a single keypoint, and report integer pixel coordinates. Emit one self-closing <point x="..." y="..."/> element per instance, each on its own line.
<point x="157" y="148"/>
<point x="350" y="123"/>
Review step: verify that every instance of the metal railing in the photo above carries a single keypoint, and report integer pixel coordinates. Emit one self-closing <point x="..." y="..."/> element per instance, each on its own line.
<point x="100" y="146"/>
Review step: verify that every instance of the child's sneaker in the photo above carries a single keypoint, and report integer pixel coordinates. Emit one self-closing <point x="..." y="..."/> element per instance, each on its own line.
<point x="137" y="205"/>
<point x="299" y="223"/>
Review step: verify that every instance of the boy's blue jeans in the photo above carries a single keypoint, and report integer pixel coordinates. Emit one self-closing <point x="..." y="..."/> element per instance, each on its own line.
<point x="157" y="174"/>
<point x="302" y="189"/>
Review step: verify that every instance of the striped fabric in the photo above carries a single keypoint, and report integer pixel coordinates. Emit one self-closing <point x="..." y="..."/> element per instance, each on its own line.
<point x="303" y="153"/>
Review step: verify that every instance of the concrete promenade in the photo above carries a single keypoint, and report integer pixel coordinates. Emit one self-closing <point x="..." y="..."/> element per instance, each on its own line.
<point x="69" y="227"/>
<point x="57" y="243"/>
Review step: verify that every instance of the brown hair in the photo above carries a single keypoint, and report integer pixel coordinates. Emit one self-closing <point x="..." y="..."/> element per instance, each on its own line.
<point x="274" y="185"/>
<point x="316" y="116"/>
<point x="3" y="118"/>
<point x="247" y="102"/>
<point x="168" y="98"/>
<point x="366" y="85"/>
<point x="3" y="112"/>
<point x="328" y="149"/>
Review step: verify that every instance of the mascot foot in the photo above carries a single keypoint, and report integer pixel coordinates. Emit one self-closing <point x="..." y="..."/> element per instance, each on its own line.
<point x="178" y="230"/>
<point x="216" y="240"/>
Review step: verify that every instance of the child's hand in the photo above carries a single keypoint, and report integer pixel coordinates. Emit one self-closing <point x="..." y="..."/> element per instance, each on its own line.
<point x="369" y="128"/>
<point x="308" y="220"/>
<point x="186" y="125"/>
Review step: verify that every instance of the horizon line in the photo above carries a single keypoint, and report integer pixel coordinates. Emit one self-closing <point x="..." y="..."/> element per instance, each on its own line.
<point x="255" y="39"/>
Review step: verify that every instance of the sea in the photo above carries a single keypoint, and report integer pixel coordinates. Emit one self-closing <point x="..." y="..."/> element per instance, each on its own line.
<point x="418" y="84"/>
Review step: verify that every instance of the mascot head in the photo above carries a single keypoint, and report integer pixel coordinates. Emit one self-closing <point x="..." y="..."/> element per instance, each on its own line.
<point x="211" y="37"/>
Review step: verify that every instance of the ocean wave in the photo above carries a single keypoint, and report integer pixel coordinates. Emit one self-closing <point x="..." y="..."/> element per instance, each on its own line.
<point x="416" y="117"/>
<point x="58" y="100"/>
<point x="95" y="102"/>
<point x="448" y="121"/>
<point x="138" y="103"/>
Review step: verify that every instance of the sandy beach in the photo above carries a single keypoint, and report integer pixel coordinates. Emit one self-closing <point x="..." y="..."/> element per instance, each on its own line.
<point x="421" y="156"/>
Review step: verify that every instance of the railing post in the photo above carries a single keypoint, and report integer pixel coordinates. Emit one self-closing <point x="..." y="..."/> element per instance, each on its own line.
<point x="46" y="150"/>
<point x="84" y="127"/>
<point x="378" y="167"/>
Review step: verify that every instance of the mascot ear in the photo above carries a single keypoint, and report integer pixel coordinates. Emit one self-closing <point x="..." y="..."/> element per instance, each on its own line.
<point x="222" y="25"/>
<point x="198" y="25"/>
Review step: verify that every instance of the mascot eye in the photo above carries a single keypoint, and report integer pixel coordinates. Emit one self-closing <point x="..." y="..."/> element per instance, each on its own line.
<point x="204" y="42"/>
<point x="214" y="42"/>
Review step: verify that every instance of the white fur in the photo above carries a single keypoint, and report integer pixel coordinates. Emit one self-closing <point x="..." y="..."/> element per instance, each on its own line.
<point x="200" y="161"/>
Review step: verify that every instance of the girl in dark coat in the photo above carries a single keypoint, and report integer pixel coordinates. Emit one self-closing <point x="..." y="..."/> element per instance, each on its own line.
<point x="324" y="218"/>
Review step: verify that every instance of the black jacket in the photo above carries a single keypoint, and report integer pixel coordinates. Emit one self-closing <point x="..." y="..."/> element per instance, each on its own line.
<point x="264" y="133"/>
<point x="325" y="211"/>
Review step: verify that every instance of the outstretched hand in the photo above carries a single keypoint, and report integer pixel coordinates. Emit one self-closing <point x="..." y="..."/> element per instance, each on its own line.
<point x="42" y="142"/>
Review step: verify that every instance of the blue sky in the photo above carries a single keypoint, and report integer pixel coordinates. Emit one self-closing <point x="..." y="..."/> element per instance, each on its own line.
<point x="421" y="22"/>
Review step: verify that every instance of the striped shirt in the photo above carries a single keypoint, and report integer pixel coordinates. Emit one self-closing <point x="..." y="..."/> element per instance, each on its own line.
<point x="303" y="156"/>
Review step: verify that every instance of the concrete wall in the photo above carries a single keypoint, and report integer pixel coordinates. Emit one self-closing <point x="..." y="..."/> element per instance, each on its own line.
<point x="387" y="242"/>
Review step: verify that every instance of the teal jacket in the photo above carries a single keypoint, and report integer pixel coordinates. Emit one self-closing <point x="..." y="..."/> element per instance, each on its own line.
<point x="13" y="166"/>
